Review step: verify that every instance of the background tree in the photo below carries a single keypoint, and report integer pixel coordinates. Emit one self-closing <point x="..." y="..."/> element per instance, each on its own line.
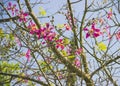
<point x="70" y="43"/>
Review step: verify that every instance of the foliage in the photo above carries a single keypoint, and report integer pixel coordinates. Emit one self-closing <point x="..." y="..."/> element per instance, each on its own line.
<point x="77" y="44"/>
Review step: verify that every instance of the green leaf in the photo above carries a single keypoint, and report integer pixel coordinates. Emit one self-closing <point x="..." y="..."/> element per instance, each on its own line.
<point x="71" y="57"/>
<point x="60" y="26"/>
<point x="11" y="36"/>
<point x="64" y="53"/>
<point x="66" y="41"/>
<point x="1" y="33"/>
<point x="102" y="46"/>
<point x="42" y="11"/>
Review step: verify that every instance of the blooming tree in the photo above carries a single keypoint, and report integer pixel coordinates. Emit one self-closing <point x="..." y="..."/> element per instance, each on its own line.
<point x="70" y="43"/>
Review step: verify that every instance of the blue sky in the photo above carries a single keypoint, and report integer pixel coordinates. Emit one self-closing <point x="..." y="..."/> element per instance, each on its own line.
<point x="54" y="5"/>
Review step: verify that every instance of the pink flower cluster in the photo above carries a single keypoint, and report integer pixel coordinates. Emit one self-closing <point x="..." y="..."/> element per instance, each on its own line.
<point x="68" y="16"/>
<point x="23" y="16"/>
<point x="12" y="7"/>
<point x="78" y="51"/>
<point x="77" y="62"/>
<point x="93" y="32"/>
<point x="60" y="44"/>
<point x="46" y="32"/>
<point x="32" y="26"/>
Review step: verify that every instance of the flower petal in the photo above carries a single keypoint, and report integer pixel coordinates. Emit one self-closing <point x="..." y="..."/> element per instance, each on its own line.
<point x="85" y="29"/>
<point x="96" y="30"/>
<point x="96" y="34"/>
<point x="28" y="54"/>
<point x="10" y="4"/>
<point x="87" y="35"/>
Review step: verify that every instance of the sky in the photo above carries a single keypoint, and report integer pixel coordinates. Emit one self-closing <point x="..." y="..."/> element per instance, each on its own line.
<point x="52" y="6"/>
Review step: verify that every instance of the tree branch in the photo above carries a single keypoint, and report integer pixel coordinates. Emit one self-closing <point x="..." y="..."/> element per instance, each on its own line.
<point x="72" y="21"/>
<point x="9" y="19"/>
<point x="32" y="13"/>
<point x="107" y="63"/>
<point x="72" y="68"/>
<point x="23" y="77"/>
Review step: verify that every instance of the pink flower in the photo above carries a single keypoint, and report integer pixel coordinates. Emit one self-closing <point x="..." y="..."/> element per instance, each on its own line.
<point x="28" y="54"/>
<point x="101" y="20"/>
<point x="67" y="27"/>
<point x="68" y="16"/>
<point x="60" y="76"/>
<point x="51" y="36"/>
<point x="43" y="42"/>
<point x="39" y="78"/>
<point x="77" y="62"/>
<point x="78" y="51"/>
<point x="46" y="33"/>
<point x="118" y="35"/>
<point x="109" y="14"/>
<point x="22" y="16"/>
<point x="18" y="41"/>
<point x="94" y="32"/>
<point x="32" y="26"/>
<point x="26" y="81"/>
<point x="106" y="30"/>
<point x="68" y="50"/>
<point x="12" y="7"/>
<point x="59" y="44"/>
